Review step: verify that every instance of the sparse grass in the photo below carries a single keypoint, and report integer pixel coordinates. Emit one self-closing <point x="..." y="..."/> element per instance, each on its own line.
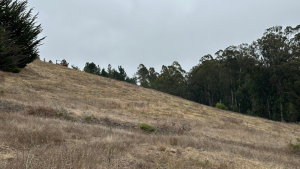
<point x="39" y="104"/>
<point x="91" y="119"/>
<point x="295" y="147"/>
<point x="173" y="141"/>
<point x="171" y="128"/>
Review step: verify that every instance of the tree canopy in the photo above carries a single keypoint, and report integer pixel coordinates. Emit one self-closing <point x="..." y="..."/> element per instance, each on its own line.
<point x="260" y="79"/>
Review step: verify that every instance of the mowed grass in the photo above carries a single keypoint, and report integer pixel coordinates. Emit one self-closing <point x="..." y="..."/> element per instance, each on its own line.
<point x="55" y="117"/>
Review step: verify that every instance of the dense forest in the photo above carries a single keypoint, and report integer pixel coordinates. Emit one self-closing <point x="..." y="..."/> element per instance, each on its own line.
<point x="261" y="79"/>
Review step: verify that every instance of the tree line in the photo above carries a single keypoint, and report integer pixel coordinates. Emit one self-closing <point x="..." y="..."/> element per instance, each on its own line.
<point x="118" y="74"/>
<point x="259" y="79"/>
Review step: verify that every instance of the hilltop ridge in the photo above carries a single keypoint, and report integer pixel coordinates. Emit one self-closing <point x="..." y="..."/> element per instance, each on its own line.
<point x="100" y="118"/>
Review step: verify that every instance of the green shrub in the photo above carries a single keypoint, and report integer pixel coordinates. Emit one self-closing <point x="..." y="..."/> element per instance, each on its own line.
<point x="59" y="114"/>
<point x="147" y="128"/>
<point x="88" y="119"/>
<point x="91" y="119"/>
<point x="16" y="70"/>
<point x="221" y="106"/>
<point x="295" y="148"/>
<point x="64" y="115"/>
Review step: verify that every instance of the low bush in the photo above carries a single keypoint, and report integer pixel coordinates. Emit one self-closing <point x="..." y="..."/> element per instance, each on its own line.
<point x="65" y="116"/>
<point x="41" y="111"/>
<point x="173" y="141"/>
<point x="171" y="128"/>
<point x="147" y="128"/>
<point x="50" y="113"/>
<point x="91" y="119"/>
<point x="295" y="148"/>
<point x="221" y="106"/>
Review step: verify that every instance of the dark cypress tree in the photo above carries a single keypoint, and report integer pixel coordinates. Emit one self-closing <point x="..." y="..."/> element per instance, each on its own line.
<point x="19" y="35"/>
<point x="104" y="73"/>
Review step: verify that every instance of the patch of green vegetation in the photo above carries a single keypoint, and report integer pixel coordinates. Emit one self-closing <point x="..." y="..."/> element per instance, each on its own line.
<point x="65" y="116"/>
<point x="295" y="148"/>
<point x="1" y="91"/>
<point x="59" y="114"/>
<point x="146" y="127"/>
<point x="221" y="106"/>
<point x="90" y="119"/>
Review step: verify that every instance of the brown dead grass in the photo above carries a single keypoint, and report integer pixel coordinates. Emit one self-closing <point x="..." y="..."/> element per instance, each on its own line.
<point x="55" y="117"/>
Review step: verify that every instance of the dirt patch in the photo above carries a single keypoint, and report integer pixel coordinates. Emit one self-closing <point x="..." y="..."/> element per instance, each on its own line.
<point x="10" y="107"/>
<point x="109" y="122"/>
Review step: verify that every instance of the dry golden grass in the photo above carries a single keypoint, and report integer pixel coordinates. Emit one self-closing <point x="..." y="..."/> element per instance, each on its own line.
<point x="55" y="117"/>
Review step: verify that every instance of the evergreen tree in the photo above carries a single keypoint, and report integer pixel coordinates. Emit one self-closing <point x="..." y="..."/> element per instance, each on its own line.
<point x="92" y="68"/>
<point x="122" y="74"/>
<point x="142" y="75"/>
<point x="19" y="35"/>
<point x="74" y="67"/>
<point x="152" y="78"/>
<point x="104" y="73"/>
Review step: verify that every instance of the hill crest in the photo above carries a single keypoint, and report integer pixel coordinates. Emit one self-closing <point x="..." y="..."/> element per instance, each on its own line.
<point x="201" y="132"/>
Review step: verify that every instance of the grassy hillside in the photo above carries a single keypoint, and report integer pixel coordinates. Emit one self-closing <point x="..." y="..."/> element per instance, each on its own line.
<point x="55" y="117"/>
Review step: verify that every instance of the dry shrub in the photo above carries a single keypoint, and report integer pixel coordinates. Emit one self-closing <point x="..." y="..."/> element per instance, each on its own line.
<point x="41" y="111"/>
<point x="172" y="128"/>
<point x="232" y="120"/>
<point x="91" y="119"/>
<point x="48" y="112"/>
<point x="173" y="141"/>
<point x="162" y="148"/>
<point x="2" y="77"/>
<point x="26" y="137"/>
<point x="10" y="106"/>
<point x="137" y="104"/>
<point x="27" y="132"/>
<point x="98" y="155"/>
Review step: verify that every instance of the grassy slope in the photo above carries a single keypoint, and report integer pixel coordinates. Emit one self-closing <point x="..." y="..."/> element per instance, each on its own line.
<point x="217" y="139"/>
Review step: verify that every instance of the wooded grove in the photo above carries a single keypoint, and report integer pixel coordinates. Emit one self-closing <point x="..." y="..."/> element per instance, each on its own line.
<point x="259" y="79"/>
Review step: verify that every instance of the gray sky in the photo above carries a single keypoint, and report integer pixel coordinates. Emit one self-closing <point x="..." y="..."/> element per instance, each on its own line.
<point x="153" y="32"/>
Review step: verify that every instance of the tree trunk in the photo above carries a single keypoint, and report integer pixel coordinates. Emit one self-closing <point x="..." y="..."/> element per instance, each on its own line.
<point x="281" y="111"/>
<point x="232" y="101"/>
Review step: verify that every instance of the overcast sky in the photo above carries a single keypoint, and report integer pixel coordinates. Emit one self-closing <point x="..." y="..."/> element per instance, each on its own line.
<point x="153" y="32"/>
